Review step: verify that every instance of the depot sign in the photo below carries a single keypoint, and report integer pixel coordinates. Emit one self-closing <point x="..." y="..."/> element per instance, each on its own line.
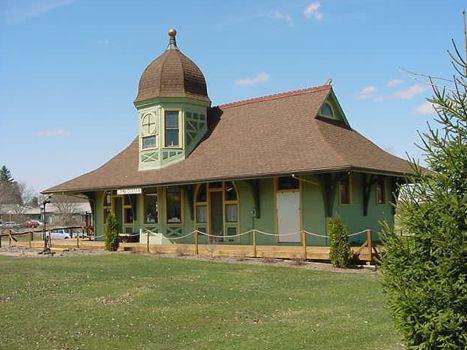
<point x="129" y="191"/>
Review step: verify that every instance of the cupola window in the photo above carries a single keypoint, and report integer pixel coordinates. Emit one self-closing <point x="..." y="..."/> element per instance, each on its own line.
<point x="148" y="131"/>
<point x="172" y="129"/>
<point x="148" y="142"/>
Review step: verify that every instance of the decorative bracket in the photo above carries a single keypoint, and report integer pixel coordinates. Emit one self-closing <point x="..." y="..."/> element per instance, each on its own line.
<point x="328" y="185"/>
<point x="367" y="181"/>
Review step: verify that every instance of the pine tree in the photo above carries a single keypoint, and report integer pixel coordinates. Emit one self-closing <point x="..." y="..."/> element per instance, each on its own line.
<point x="424" y="267"/>
<point x="5" y="175"/>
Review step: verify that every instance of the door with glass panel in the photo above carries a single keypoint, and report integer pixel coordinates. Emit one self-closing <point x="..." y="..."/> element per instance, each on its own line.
<point x="216" y="210"/>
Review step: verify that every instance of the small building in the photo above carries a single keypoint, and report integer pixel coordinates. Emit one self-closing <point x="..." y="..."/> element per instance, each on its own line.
<point x="279" y="164"/>
<point x="63" y="210"/>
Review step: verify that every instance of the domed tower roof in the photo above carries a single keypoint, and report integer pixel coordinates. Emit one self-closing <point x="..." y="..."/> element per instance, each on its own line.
<point x="172" y="74"/>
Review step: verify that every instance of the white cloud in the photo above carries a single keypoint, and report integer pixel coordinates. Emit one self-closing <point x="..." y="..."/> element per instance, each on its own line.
<point x="366" y="92"/>
<point x="53" y="133"/>
<point x="425" y="108"/>
<point x="410" y="92"/>
<point x="312" y="11"/>
<point x="283" y="16"/>
<point x="259" y="78"/>
<point x="19" y="11"/>
<point x="394" y="83"/>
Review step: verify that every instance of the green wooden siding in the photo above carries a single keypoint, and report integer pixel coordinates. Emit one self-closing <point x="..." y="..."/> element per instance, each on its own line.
<point x="312" y="213"/>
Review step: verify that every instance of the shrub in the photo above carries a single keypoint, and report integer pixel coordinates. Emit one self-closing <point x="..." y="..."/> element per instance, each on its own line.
<point x="111" y="233"/>
<point x="340" y="252"/>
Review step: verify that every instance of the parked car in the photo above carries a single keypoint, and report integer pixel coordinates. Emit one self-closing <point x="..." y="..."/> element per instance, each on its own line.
<point x="10" y="224"/>
<point x="32" y="224"/>
<point x="58" y="234"/>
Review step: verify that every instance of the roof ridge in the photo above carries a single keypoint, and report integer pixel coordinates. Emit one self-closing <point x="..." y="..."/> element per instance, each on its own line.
<point x="275" y="96"/>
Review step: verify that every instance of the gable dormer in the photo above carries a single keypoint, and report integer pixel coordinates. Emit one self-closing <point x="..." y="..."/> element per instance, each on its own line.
<point x="331" y="109"/>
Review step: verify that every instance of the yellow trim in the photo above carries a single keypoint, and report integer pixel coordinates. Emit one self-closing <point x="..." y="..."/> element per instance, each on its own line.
<point x="144" y="206"/>
<point x="182" y="210"/>
<point x="207" y="203"/>
<point x="349" y="176"/>
<point x="181" y="128"/>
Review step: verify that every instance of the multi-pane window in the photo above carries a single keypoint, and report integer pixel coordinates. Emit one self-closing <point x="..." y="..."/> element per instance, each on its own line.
<point x="151" y="209"/>
<point x="172" y="129"/>
<point x="174" y="205"/>
<point x="344" y="190"/>
<point x="149" y="131"/>
<point x="380" y="191"/>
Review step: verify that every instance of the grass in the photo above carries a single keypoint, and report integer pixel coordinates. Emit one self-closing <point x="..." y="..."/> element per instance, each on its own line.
<point x="127" y="301"/>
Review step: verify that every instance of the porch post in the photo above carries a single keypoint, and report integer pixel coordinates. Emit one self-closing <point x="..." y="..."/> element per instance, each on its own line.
<point x="304" y="243"/>
<point x="254" y="242"/>
<point x="370" y="244"/>
<point x="147" y="241"/>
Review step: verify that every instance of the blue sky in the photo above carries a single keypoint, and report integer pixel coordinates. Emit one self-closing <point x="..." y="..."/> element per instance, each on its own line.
<point x="69" y="69"/>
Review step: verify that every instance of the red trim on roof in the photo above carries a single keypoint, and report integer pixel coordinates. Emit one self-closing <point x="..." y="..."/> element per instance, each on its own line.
<point x="275" y="96"/>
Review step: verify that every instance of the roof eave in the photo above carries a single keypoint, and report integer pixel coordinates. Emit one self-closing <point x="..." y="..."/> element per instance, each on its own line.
<point x="237" y="178"/>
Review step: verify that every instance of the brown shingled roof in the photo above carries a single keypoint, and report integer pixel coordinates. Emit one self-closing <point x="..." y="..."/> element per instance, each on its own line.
<point x="268" y="136"/>
<point x="172" y="74"/>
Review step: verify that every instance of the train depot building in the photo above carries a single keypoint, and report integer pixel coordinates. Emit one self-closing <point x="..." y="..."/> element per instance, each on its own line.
<point x="280" y="165"/>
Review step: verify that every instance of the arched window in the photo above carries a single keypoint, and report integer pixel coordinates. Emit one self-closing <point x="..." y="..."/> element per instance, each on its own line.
<point x="326" y="110"/>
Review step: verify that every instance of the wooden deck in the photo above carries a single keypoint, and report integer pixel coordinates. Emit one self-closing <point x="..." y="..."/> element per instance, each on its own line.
<point x="364" y="253"/>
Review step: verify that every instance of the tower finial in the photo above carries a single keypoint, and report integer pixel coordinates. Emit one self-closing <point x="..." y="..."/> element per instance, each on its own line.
<point x="172" y="42"/>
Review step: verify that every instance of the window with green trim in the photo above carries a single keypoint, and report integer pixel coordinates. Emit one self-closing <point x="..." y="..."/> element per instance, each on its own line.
<point x="326" y="110"/>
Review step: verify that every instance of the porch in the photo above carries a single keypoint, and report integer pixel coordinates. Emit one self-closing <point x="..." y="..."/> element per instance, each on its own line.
<point x="210" y="247"/>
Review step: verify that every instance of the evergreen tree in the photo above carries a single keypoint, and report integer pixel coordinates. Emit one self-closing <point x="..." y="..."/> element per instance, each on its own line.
<point x="111" y="233"/>
<point x="339" y="250"/>
<point x="424" y="267"/>
<point x="5" y="175"/>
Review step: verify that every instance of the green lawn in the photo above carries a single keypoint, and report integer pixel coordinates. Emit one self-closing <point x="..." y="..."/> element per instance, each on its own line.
<point x="127" y="301"/>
